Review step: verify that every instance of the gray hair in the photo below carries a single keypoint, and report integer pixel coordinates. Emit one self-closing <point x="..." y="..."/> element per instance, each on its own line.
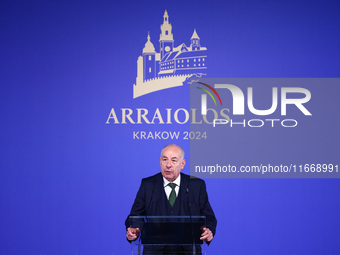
<point x="179" y="147"/>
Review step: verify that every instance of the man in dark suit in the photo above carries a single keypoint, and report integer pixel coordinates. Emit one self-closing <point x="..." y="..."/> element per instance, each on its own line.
<point x="171" y="193"/>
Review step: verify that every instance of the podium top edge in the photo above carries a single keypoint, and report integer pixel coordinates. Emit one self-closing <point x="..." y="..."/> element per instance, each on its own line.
<point x="167" y="217"/>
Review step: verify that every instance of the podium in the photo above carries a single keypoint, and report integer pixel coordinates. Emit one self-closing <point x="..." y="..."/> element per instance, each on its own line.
<point x="168" y="235"/>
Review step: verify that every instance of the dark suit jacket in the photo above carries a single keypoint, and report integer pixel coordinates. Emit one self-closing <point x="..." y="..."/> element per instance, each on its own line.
<point x="151" y="200"/>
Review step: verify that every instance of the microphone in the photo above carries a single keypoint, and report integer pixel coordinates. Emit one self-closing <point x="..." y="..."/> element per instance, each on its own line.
<point x="147" y="208"/>
<point x="191" y="223"/>
<point x="189" y="205"/>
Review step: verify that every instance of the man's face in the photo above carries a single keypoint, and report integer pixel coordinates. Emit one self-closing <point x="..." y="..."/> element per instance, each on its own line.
<point x="171" y="163"/>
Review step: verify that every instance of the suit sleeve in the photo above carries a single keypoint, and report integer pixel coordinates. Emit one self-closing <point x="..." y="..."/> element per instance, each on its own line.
<point x="138" y="207"/>
<point x="206" y="210"/>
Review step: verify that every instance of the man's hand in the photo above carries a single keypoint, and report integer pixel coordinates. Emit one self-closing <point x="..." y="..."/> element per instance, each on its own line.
<point x="132" y="233"/>
<point x="207" y="235"/>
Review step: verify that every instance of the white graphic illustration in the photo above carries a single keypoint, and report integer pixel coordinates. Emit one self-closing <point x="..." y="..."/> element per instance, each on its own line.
<point x="171" y="66"/>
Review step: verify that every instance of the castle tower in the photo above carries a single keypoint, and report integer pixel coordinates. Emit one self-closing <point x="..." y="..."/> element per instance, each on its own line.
<point x="149" y="60"/>
<point x="195" y="41"/>
<point x="166" y="39"/>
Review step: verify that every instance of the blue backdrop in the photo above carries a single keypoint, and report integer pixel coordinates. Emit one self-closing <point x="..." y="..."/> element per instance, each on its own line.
<point x="68" y="179"/>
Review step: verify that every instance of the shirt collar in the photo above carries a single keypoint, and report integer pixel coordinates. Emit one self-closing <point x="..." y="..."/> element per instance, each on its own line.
<point x="177" y="181"/>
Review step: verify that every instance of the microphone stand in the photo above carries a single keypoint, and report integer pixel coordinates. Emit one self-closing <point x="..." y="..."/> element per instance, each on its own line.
<point x="191" y="223"/>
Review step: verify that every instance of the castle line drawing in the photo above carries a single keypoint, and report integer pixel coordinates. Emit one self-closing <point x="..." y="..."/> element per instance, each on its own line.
<point x="171" y="66"/>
